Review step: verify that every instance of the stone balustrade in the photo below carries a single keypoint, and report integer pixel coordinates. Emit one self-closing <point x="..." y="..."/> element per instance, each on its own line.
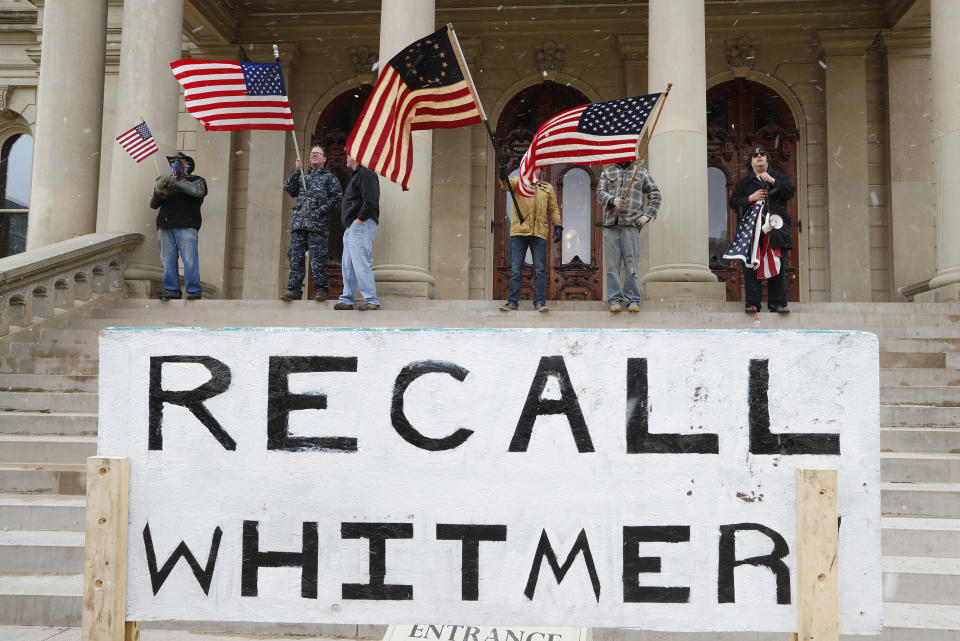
<point x="38" y="284"/>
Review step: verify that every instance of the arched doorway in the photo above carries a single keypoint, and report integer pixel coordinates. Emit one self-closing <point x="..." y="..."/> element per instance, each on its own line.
<point x="574" y="266"/>
<point x="333" y="127"/>
<point x="740" y="115"/>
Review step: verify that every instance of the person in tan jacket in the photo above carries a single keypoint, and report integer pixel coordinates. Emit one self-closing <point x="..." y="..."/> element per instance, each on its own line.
<point x="541" y="219"/>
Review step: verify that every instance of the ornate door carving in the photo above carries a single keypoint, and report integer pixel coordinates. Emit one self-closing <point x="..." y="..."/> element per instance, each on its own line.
<point x="740" y="115"/>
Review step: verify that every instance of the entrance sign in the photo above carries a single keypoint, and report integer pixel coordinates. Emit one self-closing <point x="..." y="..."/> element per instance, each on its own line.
<point x="589" y="478"/>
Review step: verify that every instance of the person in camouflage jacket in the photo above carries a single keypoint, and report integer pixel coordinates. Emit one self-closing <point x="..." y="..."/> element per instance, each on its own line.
<point x="621" y="233"/>
<point x="310" y="223"/>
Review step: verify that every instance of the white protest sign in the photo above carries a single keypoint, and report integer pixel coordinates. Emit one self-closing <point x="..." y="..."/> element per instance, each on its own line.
<point x="596" y="478"/>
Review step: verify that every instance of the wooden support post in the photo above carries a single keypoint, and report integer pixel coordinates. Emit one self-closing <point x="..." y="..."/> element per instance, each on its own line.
<point x="817" y="566"/>
<point x="105" y="558"/>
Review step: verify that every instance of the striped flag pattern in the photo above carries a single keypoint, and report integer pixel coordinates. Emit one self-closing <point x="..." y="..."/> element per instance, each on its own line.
<point x="752" y="246"/>
<point x="422" y="87"/>
<point x="591" y="134"/>
<point x="138" y="141"/>
<point x="227" y="96"/>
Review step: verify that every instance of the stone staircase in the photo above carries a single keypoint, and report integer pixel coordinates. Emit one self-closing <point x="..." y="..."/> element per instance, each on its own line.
<point x="48" y="425"/>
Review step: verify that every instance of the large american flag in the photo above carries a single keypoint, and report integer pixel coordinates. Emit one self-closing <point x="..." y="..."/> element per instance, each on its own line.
<point x="591" y="134"/>
<point x="138" y="141"/>
<point x="422" y="87"/>
<point x="226" y="95"/>
<point x="752" y="246"/>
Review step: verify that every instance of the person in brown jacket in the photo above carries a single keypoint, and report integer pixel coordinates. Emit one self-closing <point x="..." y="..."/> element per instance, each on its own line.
<point x="541" y="214"/>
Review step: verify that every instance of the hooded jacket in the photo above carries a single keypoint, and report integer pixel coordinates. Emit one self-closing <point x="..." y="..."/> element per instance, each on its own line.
<point x="540" y="213"/>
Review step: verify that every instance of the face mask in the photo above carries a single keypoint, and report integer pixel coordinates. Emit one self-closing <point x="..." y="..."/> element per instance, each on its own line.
<point x="178" y="168"/>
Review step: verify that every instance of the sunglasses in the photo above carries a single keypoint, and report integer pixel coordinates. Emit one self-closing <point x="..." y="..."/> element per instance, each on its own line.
<point x="314" y="153"/>
<point x="758" y="154"/>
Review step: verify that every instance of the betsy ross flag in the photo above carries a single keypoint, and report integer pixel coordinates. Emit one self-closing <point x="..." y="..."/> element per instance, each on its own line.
<point x="226" y="95"/>
<point x="752" y="246"/>
<point x="422" y="87"/>
<point x="591" y="134"/>
<point x="138" y="141"/>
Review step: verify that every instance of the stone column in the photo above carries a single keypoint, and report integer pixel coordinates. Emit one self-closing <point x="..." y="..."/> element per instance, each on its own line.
<point x="945" y="65"/>
<point x="66" y="152"/>
<point x="678" y="156"/>
<point x="913" y="203"/>
<point x="848" y="190"/>
<point x="401" y="251"/>
<point x="634" y="51"/>
<point x="450" y="231"/>
<point x="146" y="89"/>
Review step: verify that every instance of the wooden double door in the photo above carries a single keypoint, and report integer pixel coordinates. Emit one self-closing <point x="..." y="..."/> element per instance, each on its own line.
<point x="740" y="116"/>
<point x="575" y="264"/>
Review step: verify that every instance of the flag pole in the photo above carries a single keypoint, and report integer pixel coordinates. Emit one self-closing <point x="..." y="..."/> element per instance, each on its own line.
<point x="293" y="132"/>
<point x="643" y="154"/>
<point x="483" y="115"/>
<point x="144" y="121"/>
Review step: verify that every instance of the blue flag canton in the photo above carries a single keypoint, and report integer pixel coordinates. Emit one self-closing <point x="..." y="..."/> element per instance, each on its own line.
<point x="263" y="79"/>
<point x="617" y="117"/>
<point x="143" y="131"/>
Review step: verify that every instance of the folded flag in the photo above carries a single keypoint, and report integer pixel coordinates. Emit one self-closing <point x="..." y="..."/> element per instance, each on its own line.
<point x="752" y="246"/>
<point x="591" y="134"/>
<point x="138" y="141"/>
<point x="422" y="87"/>
<point x="226" y="95"/>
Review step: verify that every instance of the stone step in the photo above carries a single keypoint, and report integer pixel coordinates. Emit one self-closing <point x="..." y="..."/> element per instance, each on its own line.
<point x="901" y="344"/>
<point x="920" y="622"/>
<point x="899" y="415"/>
<point x="48" y="401"/>
<point x="68" y="479"/>
<point x="943" y="396"/>
<point x="42" y="512"/>
<point x="913" y="536"/>
<point x="48" y="383"/>
<point x="18" y="448"/>
<point x="920" y="439"/>
<point x="50" y="423"/>
<point x="41" y="552"/>
<point x="921" y="579"/>
<point x="920" y="499"/>
<point x="68" y="336"/>
<point x="913" y="359"/>
<point x="920" y="377"/>
<point x="921" y="467"/>
<point x="55" y="350"/>
<point x="65" y="366"/>
<point x="41" y="599"/>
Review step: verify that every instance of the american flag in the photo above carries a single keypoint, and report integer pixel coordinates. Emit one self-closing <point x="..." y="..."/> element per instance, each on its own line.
<point x="591" y="134"/>
<point x="226" y="95"/>
<point x="422" y="87"/>
<point x="138" y="141"/>
<point x="752" y="246"/>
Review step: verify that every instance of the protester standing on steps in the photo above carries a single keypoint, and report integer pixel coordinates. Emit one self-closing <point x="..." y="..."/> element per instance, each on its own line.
<point x="622" y="189"/>
<point x="178" y="196"/>
<point x="310" y="223"/>
<point x="360" y="215"/>
<point x="541" y="213"/>
<point x="763" y="231"/>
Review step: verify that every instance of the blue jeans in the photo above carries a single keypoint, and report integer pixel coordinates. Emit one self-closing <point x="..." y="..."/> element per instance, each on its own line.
<point x="621" y="244"/>
<point x="518" y="251"/>
<point x="183" y="242"/>
<point x="357" y="243"/>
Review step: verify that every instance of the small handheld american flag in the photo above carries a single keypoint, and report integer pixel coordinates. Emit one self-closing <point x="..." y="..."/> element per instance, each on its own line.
<point x="138" y="141"/>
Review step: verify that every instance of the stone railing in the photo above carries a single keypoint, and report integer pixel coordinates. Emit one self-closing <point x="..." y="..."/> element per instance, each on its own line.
<point x="38" y="284"/>
<point x="908" y="292"/>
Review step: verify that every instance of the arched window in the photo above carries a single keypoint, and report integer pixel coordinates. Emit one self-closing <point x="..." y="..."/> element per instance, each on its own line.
<point x="16" y="162"/>
<point x="717" y="214"/>
<point x="577" y="209"/>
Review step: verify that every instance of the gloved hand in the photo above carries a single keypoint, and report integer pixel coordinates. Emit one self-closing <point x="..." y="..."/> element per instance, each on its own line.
<point x="162" y="184"/>
<point x="643" y="221"/>
<point x="557" y="233"/>
<point x="503" y="174"/>
<point x="617" y="202"/>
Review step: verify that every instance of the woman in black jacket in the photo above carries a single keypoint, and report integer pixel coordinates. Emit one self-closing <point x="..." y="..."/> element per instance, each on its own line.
<point x="776" y="188"/>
